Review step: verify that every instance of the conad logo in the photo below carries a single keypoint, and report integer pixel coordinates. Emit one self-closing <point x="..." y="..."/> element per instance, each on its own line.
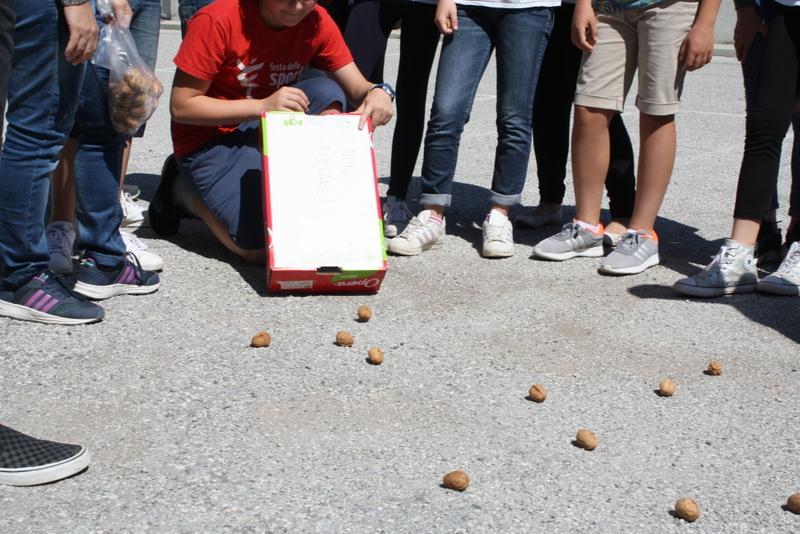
<point x="366" y="282"/>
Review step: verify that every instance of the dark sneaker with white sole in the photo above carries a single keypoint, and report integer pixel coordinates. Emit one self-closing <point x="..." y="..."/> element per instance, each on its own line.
<point x="46" y="298"/>
<point x="128" y="278"/>
<point x="27" y="461"/>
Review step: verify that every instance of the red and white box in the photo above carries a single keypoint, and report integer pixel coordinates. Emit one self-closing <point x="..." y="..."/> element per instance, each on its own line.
<point x="324" y="227"/>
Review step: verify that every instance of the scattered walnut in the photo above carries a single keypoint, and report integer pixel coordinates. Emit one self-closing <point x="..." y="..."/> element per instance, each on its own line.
<point x="687" y="509"/>
<point x="456" y="480"/>
<point x="262" y="339"/>
<point x="714" y="368"/>
<point x="586" y="439"/>
<point x="364" y="314"/>
<point x="537" y="393"/>
<point x="793" y="503"/>
<point x="667" y="387"/>
<point x="375" y="356"/>
<point x="344" y="338"/>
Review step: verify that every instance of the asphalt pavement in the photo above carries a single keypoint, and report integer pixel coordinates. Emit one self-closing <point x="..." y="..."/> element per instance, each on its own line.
<point x="193" y="430"/>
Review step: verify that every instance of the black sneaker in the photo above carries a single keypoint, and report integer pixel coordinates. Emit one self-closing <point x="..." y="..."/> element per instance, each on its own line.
<point x="128" y="278"/>
<point x="27" y="461"/>
<point x="769" y="243"/>
<point x="792" y="236"/>
<point x="164" y="214"/>
<point x="46" y="298"/>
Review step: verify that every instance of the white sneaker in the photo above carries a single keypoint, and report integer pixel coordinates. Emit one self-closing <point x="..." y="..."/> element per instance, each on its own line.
<point x="148" y="260"/>
<point x="786" y="280"/>
<point x="133" y="215"/>
<point x="60" y="237"/>
<point x="132" y="190"/>
<point x="733" y="270"/>
<point x="498" y="236"/>
<point x="536" y="217"/>
<point x="422" y="233"/>
<point x="395" y="216"/>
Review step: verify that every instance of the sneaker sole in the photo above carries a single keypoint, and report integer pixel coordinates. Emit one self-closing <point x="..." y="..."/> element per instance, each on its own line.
<point x="415" y="252"/>
<point x="710" y="292"/>
<point x="113" y="290"/>
<point x="23" y="313"/>
<point x="33" y="476"/>
<point x="390" y="231"/>
<point x="594" y="252"/>
<point x="652" y="261"/>
<point x="497" y="254"/>
<point x="778" y="289"/>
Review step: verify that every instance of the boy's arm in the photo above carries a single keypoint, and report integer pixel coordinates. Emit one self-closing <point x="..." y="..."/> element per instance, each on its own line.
<point x="375" y="103"/>
<point x="698" y="46"/>
<point x="189" y="104"/>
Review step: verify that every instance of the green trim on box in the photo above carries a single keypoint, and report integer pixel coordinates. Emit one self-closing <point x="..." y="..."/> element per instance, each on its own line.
<point x="264" y="149"/>
<point x="352" y="275"/>
<point x="383" y="240"/>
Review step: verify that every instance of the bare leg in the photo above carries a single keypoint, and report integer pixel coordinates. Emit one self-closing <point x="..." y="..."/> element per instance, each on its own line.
<point x="126" y="154"/>
<point x="656" y="159"/>
<point x="591" y="153"/>
<point x="63" y="185"/>
<point x="745" y="231"/>
<point x="257" y="256"/>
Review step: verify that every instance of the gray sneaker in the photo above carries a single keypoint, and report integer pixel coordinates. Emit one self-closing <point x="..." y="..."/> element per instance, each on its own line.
<point x="572" y="241"/>
<point x="421" y="234"/>
<point x="786" y="280"/>
<point x="733" y="270"/>
<point x="634" y="253"/>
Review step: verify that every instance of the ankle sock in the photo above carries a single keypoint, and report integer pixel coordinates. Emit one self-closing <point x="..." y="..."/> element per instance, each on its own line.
<point x="595" y="229"/>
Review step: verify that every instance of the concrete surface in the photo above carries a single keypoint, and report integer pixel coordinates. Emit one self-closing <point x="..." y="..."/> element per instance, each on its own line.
<point x="192" y="430"/>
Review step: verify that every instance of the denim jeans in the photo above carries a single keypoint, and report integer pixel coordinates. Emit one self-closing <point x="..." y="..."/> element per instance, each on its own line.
<point x="750" y="72"/>
<point x="42" y="98"/>
<point x="520" y="37"/>
<point x="145" y="26"/>
<point x="187" y="9"/>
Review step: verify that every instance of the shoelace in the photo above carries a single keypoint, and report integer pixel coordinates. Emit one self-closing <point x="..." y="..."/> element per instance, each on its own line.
<point x="628" y="242"/>
<point x="570" y="229"/>
<point x="137" y="267"/>
<point x="723" y="259"/>
<point x="792" y="260"/>
<point x="497" y="232"/>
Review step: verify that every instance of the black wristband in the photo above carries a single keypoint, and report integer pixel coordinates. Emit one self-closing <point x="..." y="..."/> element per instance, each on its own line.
<point x="386" y="88"/>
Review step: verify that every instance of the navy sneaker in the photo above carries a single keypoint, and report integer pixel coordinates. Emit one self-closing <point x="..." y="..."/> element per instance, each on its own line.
<point x="46" y="298"/>
<point x="27" y="461"/>
<point x="128" y="278"/>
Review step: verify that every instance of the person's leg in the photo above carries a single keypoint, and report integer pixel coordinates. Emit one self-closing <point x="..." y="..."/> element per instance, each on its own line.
<point x="366" y="37"/>
<point x="794" y="197"/>
<point x="621" y="178"/>
<point x="7" y="19"/>
<point x="187" y="9"/>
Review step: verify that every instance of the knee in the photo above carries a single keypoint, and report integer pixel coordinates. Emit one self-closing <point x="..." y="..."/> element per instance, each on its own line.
<point x="325" y="95"/>
<point x="586" y="117"/>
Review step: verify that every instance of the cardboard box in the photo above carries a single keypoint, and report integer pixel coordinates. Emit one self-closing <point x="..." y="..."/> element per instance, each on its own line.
<point x="324" y="226"/>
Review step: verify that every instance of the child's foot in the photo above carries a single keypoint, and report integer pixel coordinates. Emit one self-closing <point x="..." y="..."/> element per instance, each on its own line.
<point x="786" y="280"/>
<point x="149" y="260"/>
<point x="538" y="216"/>
<point x="128" y="278"/>
<point x="498" y="236"/>
<point x="768" y="243"/>
<point x="575" y="239"/>
<point x="395" y="216"/>
<point x="46" y="299"/>
<point x="635" y="252"/>
<point x="424" y="232"/>
<point x="733" y="270"/>
<point x="60" y="237"/>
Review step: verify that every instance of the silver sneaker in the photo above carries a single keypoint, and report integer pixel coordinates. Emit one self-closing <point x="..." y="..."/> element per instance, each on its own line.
<point x="60" y="237"/>
<point x="498" y="236"/>
<point x="733" y="270"/>
<point x="531" y="218"/>
<point x="634" y="253"/>
<point x="421" y="234"/>
<point x="395" y="216"/>
<point x="786" y="280"/>
<point x="572" y="241"/>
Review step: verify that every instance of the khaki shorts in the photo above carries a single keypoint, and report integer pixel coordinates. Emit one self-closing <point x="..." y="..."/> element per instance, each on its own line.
<point x="648" y="39"/>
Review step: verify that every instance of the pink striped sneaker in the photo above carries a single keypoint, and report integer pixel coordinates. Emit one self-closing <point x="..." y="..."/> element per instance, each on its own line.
<point x="45" y="298"/>
<point x="128" y="278"/>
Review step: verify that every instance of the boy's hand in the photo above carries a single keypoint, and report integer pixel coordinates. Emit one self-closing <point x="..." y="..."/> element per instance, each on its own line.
<point x="697" y="48"/>
<point x="748" y="24"/>
<point x="83" y="32"/>
<point x="584" y="26"/>
<point x="446" y="17"/>
<point x="376" y="105"/>
<point x="287" y="99"/>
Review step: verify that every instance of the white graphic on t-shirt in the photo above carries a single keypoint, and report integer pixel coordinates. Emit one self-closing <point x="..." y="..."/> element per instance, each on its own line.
<point x="248" y="74"/>
<point x="283" y="73"/>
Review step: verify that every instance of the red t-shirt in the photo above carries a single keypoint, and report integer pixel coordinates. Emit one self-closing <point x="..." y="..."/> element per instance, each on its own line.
<point x="228" y="44"/>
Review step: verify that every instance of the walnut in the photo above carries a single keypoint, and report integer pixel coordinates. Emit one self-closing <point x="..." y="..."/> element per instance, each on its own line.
<point x="262" y="339"/>
<point x="364" y="314"/>
<point x="687" y="509"/>
<point x="375" y="356"/>
<point x="456" y="480"/>
<point x="714" y="368"/>
<point x="793" y="503"/>
<point x="586" y="439"/>
<point x="344" y="338"/>
<point x="537" y="393"/>
<point x="667" y="387"/>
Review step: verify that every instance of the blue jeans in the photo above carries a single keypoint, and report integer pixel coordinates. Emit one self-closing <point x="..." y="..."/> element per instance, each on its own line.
<point x="145" y="27"/>
<point x="42" y="99"/>
<point x="750" y="72"/>
<point x="520" y="37"/>
<point x="187" y="9"/>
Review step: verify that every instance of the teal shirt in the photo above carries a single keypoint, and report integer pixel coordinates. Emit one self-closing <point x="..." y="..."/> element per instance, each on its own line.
<point x="609" y="7"/>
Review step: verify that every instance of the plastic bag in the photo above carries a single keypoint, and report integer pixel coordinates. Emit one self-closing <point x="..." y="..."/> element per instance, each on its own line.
<point x="133" y="89"/>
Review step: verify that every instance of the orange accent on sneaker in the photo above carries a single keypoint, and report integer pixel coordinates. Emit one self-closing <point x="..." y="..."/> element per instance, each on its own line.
<point x="597" y="229"/>
<point x="651" y="234"/>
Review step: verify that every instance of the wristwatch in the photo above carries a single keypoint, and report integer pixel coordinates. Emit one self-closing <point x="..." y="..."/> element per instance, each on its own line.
<point x="386" y="88"/>
<point x="68" y="3"/>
